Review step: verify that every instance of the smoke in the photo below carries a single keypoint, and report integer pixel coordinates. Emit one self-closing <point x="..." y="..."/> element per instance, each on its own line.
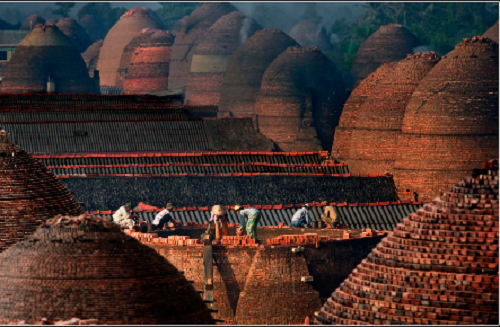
<point x="422" y="49"/>
<point x="245" y="27"/>
<point x="334" y="38"/>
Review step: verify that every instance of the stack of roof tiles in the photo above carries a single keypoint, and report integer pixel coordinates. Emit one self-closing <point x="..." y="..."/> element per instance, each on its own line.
<point x="246" y="68"/>
<point x="492" y="32"/>
<point x="300" y="100"/>
<point x="91" y="56"/>
<point x="211" y="55"/>
<point x="47" y="51"/>
<point x="308" y="33"/>
<point x="129" y="26"/>
<point x="439" y="266"/>
<point x="29" y="194"/>
<point x="451" y="122"/>
<point x="191" y="30"/>
<point x="32" y="21"/>
<point x="75" y="32"/>
<point x="95" y="28"/>
<point x="149" y="66"/>
<point x="390" y="43"/>
<point x="86" y="267"/>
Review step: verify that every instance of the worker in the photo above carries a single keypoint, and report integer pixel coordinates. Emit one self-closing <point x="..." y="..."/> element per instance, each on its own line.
<point x="219" y="217"/>
<point x="130" y="222"/>
<point x="330" y="216"/>
<point x="163" y="217"/>
<point x="122" y="213"/>
<point x="301" y="217"/>
<point x="252" y="216"/>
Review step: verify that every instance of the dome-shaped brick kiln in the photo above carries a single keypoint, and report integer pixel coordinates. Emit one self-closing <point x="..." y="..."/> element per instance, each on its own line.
<point x="347" y="122"/>
<point x="246" y="67"/>
<point x="492" y="32"/>
<point x="32" y="21"/>
<point x="129" y="26"/>
<point x="75" y="32"/>
<point x="439" y="266"/>
<point x="148" y="69"/>
<point x="390" y="43"/>
<point x="46" y="52"/>
<point x="379" y="121"/>
<point x="451" y="122"/>
<point x="300" y="100"/>
<point x="308" y="33"/>
<point x="29" y="194"/>
<point x="86" y="267"/>
<point x="91" y="55"/>
<point x="192" y="29"/>
<point x="95" y="28"/>
<point x="211" y="55"/>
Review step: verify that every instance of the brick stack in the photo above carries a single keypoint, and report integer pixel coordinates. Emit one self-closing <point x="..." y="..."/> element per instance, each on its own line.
<point x="348" y="120"/>
<point x="46" y="51"/>
<point x="95" y="28"/>
<point x="380" y="118"/>
<point x="32" y="21"/>
<point x="29" y="194"/>
<point x="191" y="30"/>
<point x="390" y="43"/>
<point x="439" y="266"/>
<point x="149" y="65"/>
<point x="300" y="100"/>
<point x="492" y="32"/>
<point x="451" y="122"/>
<point x="245" y="69"/>
<point x="211" y="55"/>
<point x="308" y="33"/>
<point x="129" y="26"/>
<point x="75" y="32"/>
<point x="86" y="267"/>
<point x="91" y="55"/>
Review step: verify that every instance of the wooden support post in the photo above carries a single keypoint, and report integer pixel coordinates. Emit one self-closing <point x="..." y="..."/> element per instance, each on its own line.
<point x="208" y="278"/>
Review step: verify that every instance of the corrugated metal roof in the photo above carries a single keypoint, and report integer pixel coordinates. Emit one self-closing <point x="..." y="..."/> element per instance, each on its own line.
<point x="12" y="36"/>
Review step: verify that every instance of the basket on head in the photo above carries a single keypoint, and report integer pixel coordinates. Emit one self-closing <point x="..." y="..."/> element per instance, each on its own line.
<point x="219" y="210"/>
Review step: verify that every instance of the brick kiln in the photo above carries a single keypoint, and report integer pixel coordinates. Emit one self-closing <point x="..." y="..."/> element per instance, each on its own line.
<point x="45" y="52"/>
<point x="211" y="55"/>
<point x="129" y="26"/>
<point x="245" y="69"/>
<point x="75" y="32"/>
<point x="191" y="30"/>
<point x="390" y="43"/>
<point x="308" y="33"/>
<point x="451" y="122"/>
<point x="300" y="100"/>
<point x="91" y="55"/>
<point x="149" y="65"/>
<point x="32" y="21"/>
<point x="95" y="28"/>
<point x="30" y="194"/>
<point x="439" y="266"/>
<point x="86" y="267"/>
<point x="372" y="147"/>
<point x="348" y="119"/>
<point x="492" y="32"/>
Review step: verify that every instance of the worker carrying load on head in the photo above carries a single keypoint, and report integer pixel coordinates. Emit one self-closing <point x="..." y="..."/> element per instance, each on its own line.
<point x="219" y="217"/>
<point x="252" y="216"/>
<point x="301" y="217"/>
<point x="330" y="216"/>
<point x="163" y="217"/>
<point x="122" y="213"/>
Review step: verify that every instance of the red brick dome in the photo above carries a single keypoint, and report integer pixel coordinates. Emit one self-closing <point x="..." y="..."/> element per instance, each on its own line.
<point x="75" y="32"/>
<point x="29" y="194"/>
<point x="46" y="51"/>
<point x="86" y="267"/>
<point x="95" y="28"/>
<point x="308" y="33"/>
<point x="390" y="43"/>
<point x="246" y="67"/>
<point x="300" y="100"/>
<point x="91" y="55"/>
<point x="148" y="69"/>
<point x="439" y="266"/>
<point x="211" y="55"/>
<point x="192" y="29"/>
<point x="32" y="21"/>
<point x="380" y="118"/>
<point x="451" y="122"/>
<point x="492" y="32"/>
<point x="343" y="132"/>
<point x="129" y="26"/>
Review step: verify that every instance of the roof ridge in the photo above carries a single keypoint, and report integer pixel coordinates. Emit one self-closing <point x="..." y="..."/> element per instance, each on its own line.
<point x="65" y="155"/>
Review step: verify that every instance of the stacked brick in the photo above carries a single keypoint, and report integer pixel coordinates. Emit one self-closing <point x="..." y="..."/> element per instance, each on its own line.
<point x="191" y="30"/>
<point x="390" y="43"/>
<point x="32" y="21"/>
<point x="492" y="32"/>
<point x="245" y="69"/>
<point x="149" y="65"/>
<point x="211" y="55"/>
<point x="129" y="26"/>
<point x="86" y="267"/>
<point x="46" y="51"/>
<point x="348" y="119"/>
<point x="451" y="122"/>
<point x="75" y="32"/>
<point x="29" y="194"/>
<point x="308" y="33"/>
<point x="91" y="55"/>
<point x="379" y="122"/>
<point x="439" y="266"/>
<point x="95" y="28"/>
<point x="300" y="100"/>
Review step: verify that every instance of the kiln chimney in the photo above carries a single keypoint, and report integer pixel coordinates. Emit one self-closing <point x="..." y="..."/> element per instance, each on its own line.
<point x="51" y="85"/>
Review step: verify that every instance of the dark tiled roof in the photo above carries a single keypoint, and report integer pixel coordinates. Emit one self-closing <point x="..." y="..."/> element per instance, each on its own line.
<point x="112" y="90"/>
<point x="12" y="36"/>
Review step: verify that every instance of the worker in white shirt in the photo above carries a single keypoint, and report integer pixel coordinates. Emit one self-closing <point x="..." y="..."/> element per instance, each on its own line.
<point x="163" y="217"/>
<point x="301" y="217"/>
<point x="122" y="213"/>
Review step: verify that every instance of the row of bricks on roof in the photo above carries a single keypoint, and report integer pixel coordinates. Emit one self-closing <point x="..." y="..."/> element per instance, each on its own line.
<point x="267" y="164"/>
<point x="118" y="120"/>
<point x="174" y="154"/>
<point x="217" y="175"/>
